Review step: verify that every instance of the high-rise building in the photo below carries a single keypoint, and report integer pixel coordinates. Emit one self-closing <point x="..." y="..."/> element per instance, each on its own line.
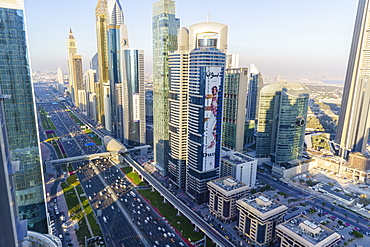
<point x="91" y="100"/>
<point x="354" y="119"/>
<point x="302" y="231"/>
<point x="11" y="230"/>
<point x="75" y="73"/>
<point x="117" y="41"/>
<point x="254" y="89"/>
<point x="60" y="80"/>
<point x="178" y="107"/>
<point x="165" y="29"/>
<point x="258" y="217"/>
<point x="103" y="89"/>
<point x="134" y="97"/>
<point x="207" y="61"/>
<point x="235" y="98"/>
<point x="20" y="115"/>
<point x="223" y="194"/>
<point x="282" y="121"/>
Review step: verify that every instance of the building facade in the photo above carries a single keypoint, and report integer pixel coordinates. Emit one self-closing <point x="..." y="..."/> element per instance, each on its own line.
<point x="178" y="107"/>
<point x="235" y="98"/>
<point x="91" y="100"/>
<point x="282" y="121"/>
<point x="20" y="115"/>
<point x="207" y="62"/>
<point x="258" y="217"/>
<point x="302" y="231"/>
<point x="134" y="97"/>
<point x="165" y="27"/>
<point x="354" y="119"/>
<point x="238" y="166"/>
<point x="75" y="74"/>
<point x="223" y="194"/>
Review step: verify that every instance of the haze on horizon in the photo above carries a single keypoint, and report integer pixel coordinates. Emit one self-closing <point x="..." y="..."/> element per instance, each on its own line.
<point x="286" y="37"/>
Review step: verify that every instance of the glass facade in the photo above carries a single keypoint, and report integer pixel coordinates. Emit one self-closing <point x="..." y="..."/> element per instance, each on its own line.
<point x="206" y="82"/>
<point x="15" y="80"/>
<point x="165" y="27"/>
<point x="134" y="97"/>
<point x="282" y="121"/>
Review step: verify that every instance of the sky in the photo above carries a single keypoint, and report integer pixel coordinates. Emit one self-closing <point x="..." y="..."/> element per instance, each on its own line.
<point x="281" y="37"/>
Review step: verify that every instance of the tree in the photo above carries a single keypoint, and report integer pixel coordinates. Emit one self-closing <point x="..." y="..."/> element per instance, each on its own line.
<point x="357" y="234"/>
<point x="323" y="204"/>
<point x="332" y="208"/>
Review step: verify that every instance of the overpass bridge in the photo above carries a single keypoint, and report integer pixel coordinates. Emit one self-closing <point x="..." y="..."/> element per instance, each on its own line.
<point x="80" y="158"/>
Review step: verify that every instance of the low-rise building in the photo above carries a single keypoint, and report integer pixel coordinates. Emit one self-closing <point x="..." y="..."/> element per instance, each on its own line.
<point x="330" y="191"/>
<point x="302" y="231"/>
<point x="223" y="194"/>
<point x="239" y="166"/>
<point x="258" y="217"/>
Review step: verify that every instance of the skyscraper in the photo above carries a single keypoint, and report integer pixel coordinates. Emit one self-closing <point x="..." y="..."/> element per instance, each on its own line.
<point x="134" y="97"/>
<point x="354" y="119"/>
<point x="103" y="88"/>
<point x="178" y="107"/>
<point x="91" y="104"/>
<point x="75" y="74"/>
<point x="254" y="89"/>
<point x="60" y="80"/>
<point x="282" y="121"/>
<point x="235" y="98"/>
<point x="117" y="41"/>
<point x="15" y="80"/>
<point x="165" y="30"/>
<point x="207" y="62"/>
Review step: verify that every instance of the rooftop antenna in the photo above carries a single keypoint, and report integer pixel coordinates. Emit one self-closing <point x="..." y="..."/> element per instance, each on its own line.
<point x="208" y="17"/>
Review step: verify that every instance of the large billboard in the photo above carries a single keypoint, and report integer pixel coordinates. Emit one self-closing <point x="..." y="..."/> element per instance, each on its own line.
<point x="211" y="120"/>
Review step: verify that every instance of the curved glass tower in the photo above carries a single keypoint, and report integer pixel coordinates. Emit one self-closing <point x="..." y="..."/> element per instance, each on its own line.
<point x="15" y="80"/>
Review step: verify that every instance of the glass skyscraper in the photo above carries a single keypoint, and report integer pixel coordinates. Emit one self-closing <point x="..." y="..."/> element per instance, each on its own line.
<point x="282" y="121"/>
<point x="134" y="97"/>
<point x="165" y="29"/>
<point x="15" y="80"/>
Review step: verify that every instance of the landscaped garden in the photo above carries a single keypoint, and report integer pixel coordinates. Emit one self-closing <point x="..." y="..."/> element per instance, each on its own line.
<point x="133" y="176"/>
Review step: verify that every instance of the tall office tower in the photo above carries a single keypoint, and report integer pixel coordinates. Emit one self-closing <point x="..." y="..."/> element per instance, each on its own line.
<point x="91" y="104"/>
<point x="165" y="29"/>
<point x="235" y="98"/>
<point x="207" y="61"/>
<point x="134" y="97"/>
<point x="119" y="125"/>
<point x="75" y="73"/>
<point x="254" y="89"/>
<point x="11" y="229"/>
<point x="178" y="107"/>
<point x="60" y="79"/>
<point x="258" y="217"/>
<point x="354" y="119"/>
<point x="103" y="88"/>
<point x="282" y="121"/>
<point x="15" y="80"/>
<point x="117" y="40"/>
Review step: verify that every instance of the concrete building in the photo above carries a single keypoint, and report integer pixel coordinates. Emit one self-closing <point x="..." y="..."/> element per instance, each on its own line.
<point x="60" y="81"/>
<point x="359" y="161"/>
<point x="75" y="74"/>
<point x="282" y="118"/>
<point x="91" y="100"/>
<point x="103" y="88"/>
<point x="20" y="115"/>
<point x="178" y="107"/>
<point x="235" y="99"/>
<point x="134" y="97"/>
<point x="207" y="61"/>
<point x="302" y="231"/>
<point x="223" y="194"/>
<point x="354" y="119"/>
<point x="165" y="29"/>
<point x="238" y="166"/>
<point x="258" y="217"/>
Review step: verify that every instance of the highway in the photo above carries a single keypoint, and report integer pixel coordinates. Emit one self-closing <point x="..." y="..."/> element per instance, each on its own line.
<point x="187" y="212"/>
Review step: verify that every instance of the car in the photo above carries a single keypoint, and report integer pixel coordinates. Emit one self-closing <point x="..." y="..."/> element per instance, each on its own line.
<point x="60" y="236"/>
<point x="156" y="242"/>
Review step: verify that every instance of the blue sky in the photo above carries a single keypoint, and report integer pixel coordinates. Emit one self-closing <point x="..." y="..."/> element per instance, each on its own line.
<point x="287" y="37"/>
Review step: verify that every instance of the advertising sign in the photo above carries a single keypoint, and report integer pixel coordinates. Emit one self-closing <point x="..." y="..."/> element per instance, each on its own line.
<point x="212" y="85"/>
<point x="136" y="107"/>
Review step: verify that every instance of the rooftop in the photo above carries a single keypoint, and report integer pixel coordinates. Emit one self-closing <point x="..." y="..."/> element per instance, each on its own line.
<point x="261" y="202"/>
<point x="228" y="183"/>
<point x="329" y="188"/>
<point x="235" y="157"/>
<point x="309" y="230"/>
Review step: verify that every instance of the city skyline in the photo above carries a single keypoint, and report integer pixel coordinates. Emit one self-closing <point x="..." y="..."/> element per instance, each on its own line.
<point x="289" y="38"/>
